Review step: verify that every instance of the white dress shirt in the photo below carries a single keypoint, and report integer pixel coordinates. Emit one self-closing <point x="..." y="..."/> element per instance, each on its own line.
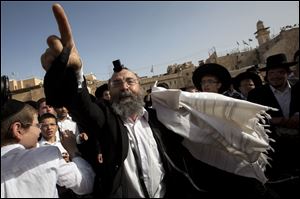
<point x="57" y="143"/>
<point x="284" y="99"/>
<point x="141" y="139"/>
<point x="69" y="124"/>
<point x="34" y="173"/>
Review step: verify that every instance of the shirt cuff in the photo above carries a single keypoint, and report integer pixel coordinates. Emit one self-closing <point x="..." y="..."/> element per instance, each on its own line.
<point x="80" y="79"/>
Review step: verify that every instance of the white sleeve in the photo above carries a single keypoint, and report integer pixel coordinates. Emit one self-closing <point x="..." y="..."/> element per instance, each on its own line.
<point x="77" y="175"/>
<point x="80" y="79"/>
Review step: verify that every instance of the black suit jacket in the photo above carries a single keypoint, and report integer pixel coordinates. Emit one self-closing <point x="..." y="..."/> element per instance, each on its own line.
<point x="282" y="163"/>
<point x="113" y="138"/>
<point x="103" y="125"/>
<point x="264" y="96"/>
<point x="106" y="127"/>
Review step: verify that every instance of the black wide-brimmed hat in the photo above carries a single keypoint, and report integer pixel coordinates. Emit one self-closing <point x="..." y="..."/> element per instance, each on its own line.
<point x="100" y="90"/>
<point x="212" y="69"/>
<point x="277" y="61"/>
<point x="246" y="75"/>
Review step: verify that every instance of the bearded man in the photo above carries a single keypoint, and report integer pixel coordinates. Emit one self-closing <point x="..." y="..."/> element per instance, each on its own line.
<point x="142" y="158"/>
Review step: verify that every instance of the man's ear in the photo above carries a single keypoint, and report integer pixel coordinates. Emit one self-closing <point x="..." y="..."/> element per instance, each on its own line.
<point x="16" y="130"/>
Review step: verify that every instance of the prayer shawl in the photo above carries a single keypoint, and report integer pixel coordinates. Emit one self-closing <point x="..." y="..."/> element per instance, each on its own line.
<point x="221" y="131"/>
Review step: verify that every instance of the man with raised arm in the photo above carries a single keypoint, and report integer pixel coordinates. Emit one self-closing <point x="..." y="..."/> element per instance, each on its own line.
<point x="141" y="156"/>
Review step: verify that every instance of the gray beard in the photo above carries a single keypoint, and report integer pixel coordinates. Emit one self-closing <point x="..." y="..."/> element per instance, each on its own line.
<point x="126" y="104"/>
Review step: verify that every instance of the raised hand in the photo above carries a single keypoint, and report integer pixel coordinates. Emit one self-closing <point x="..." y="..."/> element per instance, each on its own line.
<point x="68" y="140"/>
<point x="57" y="44"/>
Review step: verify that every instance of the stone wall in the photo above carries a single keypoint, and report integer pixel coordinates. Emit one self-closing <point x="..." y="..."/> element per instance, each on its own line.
<point x="180" y="75"/>
<point x="33" y="93"/>
<point x="286" y="42"/>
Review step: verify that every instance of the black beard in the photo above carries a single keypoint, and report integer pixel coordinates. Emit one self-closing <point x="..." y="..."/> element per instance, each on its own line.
<point x="126" y="104"/>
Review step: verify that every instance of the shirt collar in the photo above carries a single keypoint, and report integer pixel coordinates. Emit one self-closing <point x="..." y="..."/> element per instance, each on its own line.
<point x="145" y="115"/>
<point x="10" y="147"/>
<point x="43" y="141"/>
<point x="288" y="87"/>
<point x="67" y="118"/>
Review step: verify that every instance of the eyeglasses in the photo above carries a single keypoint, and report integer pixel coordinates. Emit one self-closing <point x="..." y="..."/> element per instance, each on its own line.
<point x="119" y="82"/>
<point x="44" y="126"/>
<point x="37" y="125"/>
<point x="208" y="82"/>
<point x="26" y="125"/>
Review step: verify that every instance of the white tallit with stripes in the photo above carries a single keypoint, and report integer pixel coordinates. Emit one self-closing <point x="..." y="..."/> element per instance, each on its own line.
<point x="221" y="131"/>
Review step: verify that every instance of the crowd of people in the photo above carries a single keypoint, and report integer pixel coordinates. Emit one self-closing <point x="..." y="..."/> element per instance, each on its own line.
<point x="231" y="137"/>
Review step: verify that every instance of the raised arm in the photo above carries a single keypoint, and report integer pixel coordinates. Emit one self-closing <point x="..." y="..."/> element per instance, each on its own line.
<point x="63" y="83"/>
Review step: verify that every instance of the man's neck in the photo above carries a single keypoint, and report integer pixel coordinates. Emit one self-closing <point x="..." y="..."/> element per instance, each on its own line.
<point x="62" y="118"/>
<point x="133" y="117"/>
<point x="282" y="87"/>
<point x="51" y="140"/>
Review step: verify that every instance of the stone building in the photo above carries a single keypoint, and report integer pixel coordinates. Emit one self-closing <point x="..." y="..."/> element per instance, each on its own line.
<point x="27" y="83"/>
<point x="262" y="33"/>
<point x="180" y="75"/>
<point x="287" y="42"/>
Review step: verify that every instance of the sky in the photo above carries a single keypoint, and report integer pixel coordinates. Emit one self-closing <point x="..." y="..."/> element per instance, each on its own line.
<point x="142" y="34"/>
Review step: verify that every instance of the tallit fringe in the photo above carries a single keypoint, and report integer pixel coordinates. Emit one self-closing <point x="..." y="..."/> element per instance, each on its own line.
<point x="227" y="133"/>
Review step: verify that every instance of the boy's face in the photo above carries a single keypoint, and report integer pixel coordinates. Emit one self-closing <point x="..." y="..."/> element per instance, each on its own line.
<point x="49" y="128"/>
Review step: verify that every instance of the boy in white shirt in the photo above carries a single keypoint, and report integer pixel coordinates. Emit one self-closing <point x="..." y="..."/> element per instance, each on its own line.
<point x="27" y="171"/>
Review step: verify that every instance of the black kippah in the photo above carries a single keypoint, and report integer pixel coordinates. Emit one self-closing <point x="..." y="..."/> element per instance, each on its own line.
<point x="10" y="108"/>
<point x="117" y="65"/>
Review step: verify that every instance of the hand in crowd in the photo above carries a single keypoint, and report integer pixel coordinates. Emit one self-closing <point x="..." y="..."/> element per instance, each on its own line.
<point x="83" y="137"/>
<point x="66" y="156"/>
<point x="100" y="158"/>
<point x="68" y="140"/>
<point x="57" y="44"/>
<point x="293" y="122"/>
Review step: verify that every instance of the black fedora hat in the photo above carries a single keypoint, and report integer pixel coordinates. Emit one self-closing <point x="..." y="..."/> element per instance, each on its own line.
<point x="277" y="61"/>
<point x="246" y="75"/>
<point x="212" y="69"/>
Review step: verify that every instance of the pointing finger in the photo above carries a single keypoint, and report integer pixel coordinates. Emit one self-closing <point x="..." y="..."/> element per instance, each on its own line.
<point x="63" y="25"/>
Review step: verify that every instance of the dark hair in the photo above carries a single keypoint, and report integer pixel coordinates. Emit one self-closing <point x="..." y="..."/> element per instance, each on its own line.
<point x="40" y="101"/>
<point x="163" y="84"/>
<point x="46" y="116"/>
<point x="32" y="103"/>
<point x="5" y="92"/>
<point x="100" y="90"/>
